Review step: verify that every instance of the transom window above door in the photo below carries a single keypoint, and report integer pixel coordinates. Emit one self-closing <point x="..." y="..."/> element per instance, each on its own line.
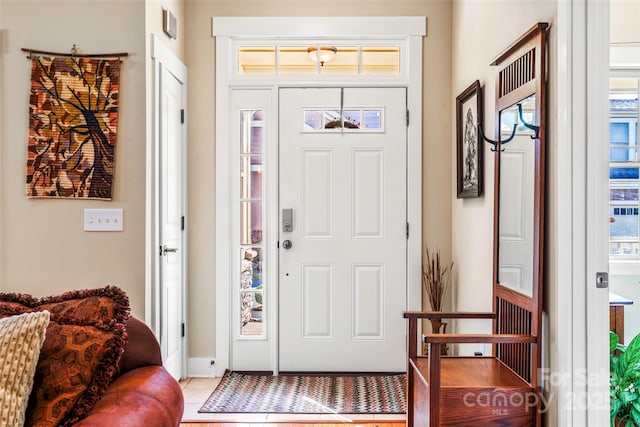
<point x="318" y="59"/>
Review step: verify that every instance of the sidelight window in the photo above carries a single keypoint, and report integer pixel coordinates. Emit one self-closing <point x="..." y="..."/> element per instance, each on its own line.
<point x="251" y="222"/>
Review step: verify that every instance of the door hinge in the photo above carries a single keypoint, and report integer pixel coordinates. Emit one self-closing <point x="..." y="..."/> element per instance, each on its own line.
<point x="407" y="117"/>
<point x="407" y="230"/>
<point x="182" y="116"/>
<point x="182" y="330"/>
<point x="182" y="223"/>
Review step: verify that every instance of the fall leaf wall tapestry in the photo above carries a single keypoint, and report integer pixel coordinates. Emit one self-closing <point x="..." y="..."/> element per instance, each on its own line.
<point x="73" y="111"/>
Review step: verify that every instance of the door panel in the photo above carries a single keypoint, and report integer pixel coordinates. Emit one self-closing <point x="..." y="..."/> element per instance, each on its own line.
<point x="368" y="194"/>
<point x="317" y="194"/>
<point x="342" y="283"/>
<point x="171" y="211"/>
<point x="317" y="301"/>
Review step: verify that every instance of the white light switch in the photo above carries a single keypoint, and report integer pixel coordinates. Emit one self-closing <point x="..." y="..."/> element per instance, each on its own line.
<point x="103" y="220"/>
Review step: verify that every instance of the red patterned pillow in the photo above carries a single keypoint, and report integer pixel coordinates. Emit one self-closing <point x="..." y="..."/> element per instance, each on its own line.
<point x="85" y="339"/>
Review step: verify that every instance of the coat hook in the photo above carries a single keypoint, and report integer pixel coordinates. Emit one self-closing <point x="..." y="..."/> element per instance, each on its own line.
<point x="494" y="143"/>
<point x="534" y="128"/>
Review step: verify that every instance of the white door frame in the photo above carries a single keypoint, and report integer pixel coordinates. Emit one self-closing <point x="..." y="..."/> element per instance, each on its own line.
<point x="229" y="31"/>
<point x="162" y="56"/>
<point x="580" y="386"/>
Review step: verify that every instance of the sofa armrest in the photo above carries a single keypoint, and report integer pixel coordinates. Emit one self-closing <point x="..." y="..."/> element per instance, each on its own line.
<point x="146" y="396"/>
<point x="142" y="347"/>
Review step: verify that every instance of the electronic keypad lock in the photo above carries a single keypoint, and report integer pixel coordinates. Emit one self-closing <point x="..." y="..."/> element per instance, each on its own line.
<point x="287" y="220"/>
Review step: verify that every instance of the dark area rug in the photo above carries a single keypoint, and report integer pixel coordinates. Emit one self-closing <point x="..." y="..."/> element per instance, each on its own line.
<point x="308" y="394"/>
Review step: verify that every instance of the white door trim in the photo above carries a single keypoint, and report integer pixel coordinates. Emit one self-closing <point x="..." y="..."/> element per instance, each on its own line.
<point x="163" y="56"/>
<point x="580" y="386"/>
<point x="319" y="27"/>
<point x="227" y="31"/>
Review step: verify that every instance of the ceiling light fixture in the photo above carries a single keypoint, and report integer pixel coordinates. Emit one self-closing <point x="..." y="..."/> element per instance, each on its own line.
<point x="322" y="54"/>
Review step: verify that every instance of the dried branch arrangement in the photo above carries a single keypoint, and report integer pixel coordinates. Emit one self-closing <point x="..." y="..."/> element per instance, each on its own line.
<point x="436" y="279"/>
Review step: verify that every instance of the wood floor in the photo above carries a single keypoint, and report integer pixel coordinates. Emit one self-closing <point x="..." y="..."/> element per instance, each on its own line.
<point x="305" y="424"/>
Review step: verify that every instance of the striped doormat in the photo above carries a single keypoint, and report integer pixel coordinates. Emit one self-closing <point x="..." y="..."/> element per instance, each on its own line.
<point x="308" y="394"/>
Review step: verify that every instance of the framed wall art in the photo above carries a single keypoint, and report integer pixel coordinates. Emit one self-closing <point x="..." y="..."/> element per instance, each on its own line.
<point x="468" y="142"/>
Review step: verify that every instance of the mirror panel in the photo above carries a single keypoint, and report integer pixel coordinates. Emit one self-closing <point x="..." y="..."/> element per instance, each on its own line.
<point x="517" y="197"/>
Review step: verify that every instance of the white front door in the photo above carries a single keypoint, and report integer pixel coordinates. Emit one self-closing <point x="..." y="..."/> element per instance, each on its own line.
<point x="171" y="257"/>
<point x="342" y="273"/>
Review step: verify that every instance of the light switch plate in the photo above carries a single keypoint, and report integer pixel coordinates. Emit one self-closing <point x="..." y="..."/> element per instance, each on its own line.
<point x="103" y="220"/>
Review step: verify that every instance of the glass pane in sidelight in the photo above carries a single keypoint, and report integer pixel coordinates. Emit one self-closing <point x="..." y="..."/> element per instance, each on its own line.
<point x="251" y="223"/>
<point x="380" y="60"/>
<point x="251" y="267"/>
<point x="251" y="177"/>
<point x="251" y="313"/>
<point x="345" y="62"/>
<point x="256" y="60"/>
<point x="251" y="131"/>
<point x="295" y="60"/>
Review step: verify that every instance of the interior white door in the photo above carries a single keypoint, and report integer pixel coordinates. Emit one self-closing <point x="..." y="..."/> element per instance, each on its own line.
<point x="171" y="220"/>
<point x="342" y="280"/>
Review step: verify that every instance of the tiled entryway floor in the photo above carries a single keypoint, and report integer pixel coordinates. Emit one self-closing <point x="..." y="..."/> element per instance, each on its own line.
<point x="197" y="390"/>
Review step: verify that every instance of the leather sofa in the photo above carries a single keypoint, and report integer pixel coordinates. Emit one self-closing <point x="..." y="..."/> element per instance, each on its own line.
<point x="142" y="393"/>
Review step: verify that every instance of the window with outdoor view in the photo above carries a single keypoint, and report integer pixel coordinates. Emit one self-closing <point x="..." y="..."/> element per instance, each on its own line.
<point x="624" y="169"/>
<point x="251" y="220"/>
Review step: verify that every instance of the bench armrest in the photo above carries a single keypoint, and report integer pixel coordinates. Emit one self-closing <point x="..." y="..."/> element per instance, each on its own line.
<point x="478" y="338"/>
<point x="447" y="315"/>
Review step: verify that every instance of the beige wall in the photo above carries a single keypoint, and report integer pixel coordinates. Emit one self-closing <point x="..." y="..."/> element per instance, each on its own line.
<point x="200" y="50"/>
<point x="153" y="23"/>
<point x="624" y="17"/>
<point x="497" y="24"/>
<point x="44" y="249"/>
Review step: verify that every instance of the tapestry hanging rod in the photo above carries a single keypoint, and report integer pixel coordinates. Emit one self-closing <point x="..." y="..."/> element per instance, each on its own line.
<point x="74" y="53"/>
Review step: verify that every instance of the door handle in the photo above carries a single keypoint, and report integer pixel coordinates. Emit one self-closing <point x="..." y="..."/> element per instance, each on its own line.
<point x="287" y="244"/>
<point x="166" y="250"/>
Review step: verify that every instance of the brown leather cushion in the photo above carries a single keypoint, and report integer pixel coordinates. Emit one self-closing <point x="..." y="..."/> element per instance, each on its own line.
<point x="84" y="343"/>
